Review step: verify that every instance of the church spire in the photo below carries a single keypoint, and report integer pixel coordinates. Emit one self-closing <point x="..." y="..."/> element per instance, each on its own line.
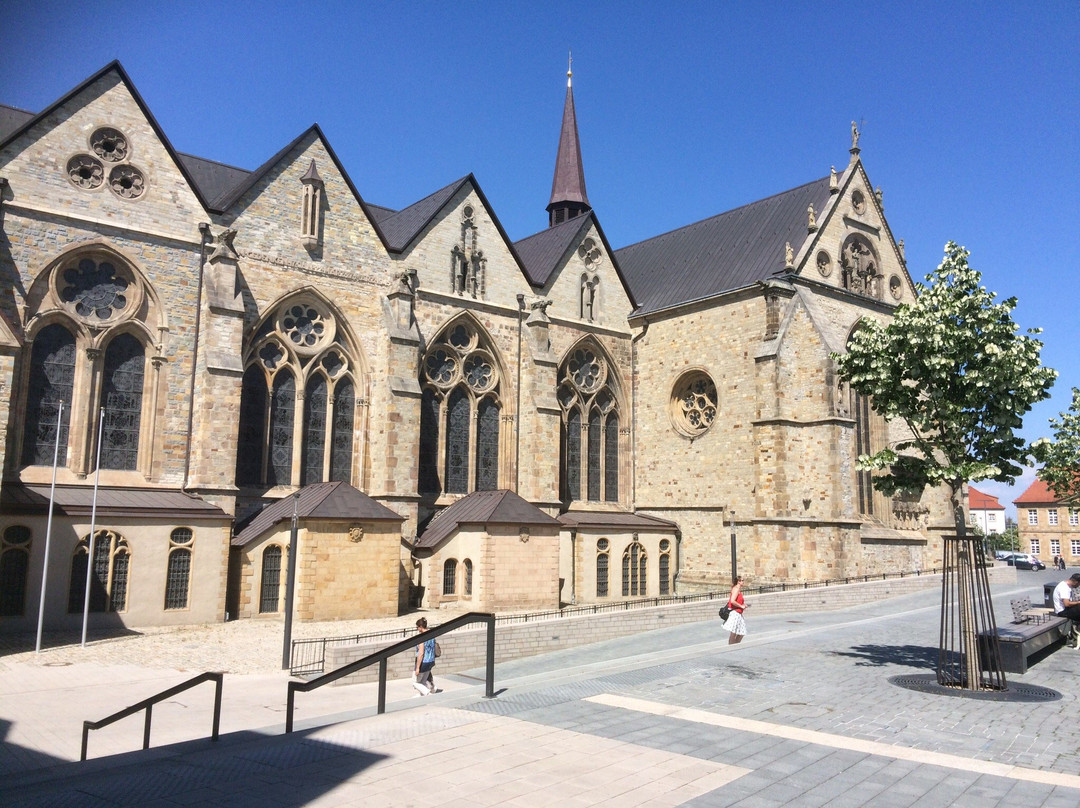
<point x="568" y="197"/>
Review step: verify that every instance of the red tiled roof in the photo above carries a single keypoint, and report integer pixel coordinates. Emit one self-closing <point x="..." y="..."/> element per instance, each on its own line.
<point x="978" y="501"/>
<point x="1038" y="493"/>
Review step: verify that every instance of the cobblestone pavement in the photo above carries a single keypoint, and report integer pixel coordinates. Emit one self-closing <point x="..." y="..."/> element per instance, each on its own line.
<point x="801" y="713"/>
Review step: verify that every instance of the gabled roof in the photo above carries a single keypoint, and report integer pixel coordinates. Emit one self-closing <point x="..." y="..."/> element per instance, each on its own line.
<point x="720" y="254"/>
<point x="213" y="179"/>
<point x="543" y="253"/>
<point x="335" y="501"/>
<point x="144" y="503"/>
<point x="112" y="67"/>
<point x="484" y="508"/>
<point x="979" y="501"/>
<point x="12" y="118"/>
<point x="607" y="520"/>
<point x="1038" y="493"/>
<point x="401" y="227"/>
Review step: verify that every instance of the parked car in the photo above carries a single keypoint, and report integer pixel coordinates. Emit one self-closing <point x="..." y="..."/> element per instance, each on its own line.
<point x="1024" y="561"/>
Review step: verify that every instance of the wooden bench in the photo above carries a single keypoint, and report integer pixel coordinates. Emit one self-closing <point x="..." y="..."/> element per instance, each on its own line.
<point x="1032" y="630"/>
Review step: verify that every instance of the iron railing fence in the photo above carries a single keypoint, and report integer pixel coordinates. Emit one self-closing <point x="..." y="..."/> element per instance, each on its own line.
<point x="308" y="655"/>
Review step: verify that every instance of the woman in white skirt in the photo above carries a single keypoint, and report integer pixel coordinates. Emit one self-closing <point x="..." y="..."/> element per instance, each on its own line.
<point x="736" y="624"/>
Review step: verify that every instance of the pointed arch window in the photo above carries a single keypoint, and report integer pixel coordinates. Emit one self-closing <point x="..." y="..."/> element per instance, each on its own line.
<point x="14" y="568"/>
<point x="586" y="385"/>
<point x="863" y="446"/>
<point x="665" y="567"/>
<point x="602" y="558"/>
<point x="109" y="575"/>
<point x="460" y="414"/>
<point x="178" y="575"/>
<point x="468" y="578"/>
<point x="299" y="374"/>
<point x="634" y="565"/>
<point x="121" y="398"/>
<point x="270" y="587"/>
<point x="51" y="380"/>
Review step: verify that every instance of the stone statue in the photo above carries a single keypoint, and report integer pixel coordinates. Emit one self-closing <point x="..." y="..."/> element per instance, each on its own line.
<point x="854" y="135"/>
<point x="789" y="255"/>
<point x="811" y="223"/>
<point x="223" y="246"/>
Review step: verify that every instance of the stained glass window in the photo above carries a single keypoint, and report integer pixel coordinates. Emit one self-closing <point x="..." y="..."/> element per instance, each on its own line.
<point x="862" y="447"/>
<point x="108" y="579"/>
<point x="121" y="397"/>
<point x="178" y="575"/>
<point x="429" y="442"/>
<point x="96" y="290"/>
<point x="611" y="458"/>
<point x="271" y="579"/>
<point x="594" y="455"/>
<point x="602" y="575"/>
<point x="634" y="560"/>
<point x="314" y="431"/>
<point x="573" y="455"/>
<point x="457" y="442"/>
<point x="52" y="375"/>
<point x="487" y="446"/>
<point x="14" y="566"/>
<point x="282" y="413"/>
<point x="665" y="574"/>
<point x="252" y="436"/>
<point x="341" y="434"/>
<point x="449" y="577"/>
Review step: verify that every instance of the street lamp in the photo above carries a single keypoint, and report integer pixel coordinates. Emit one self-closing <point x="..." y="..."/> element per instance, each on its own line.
<point x="734" y="561"/>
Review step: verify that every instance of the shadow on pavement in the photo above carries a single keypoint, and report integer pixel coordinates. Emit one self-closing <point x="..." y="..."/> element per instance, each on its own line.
<point x="910" y="656"/>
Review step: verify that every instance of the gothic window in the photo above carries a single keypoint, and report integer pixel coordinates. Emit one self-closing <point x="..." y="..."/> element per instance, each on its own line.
<point x="51" y="380"/>
<point x="694" y="403"/>
<point x="299" y="373"/>
<point x="633" y="571"/>
<point x="341" y="435"/>
<point x="861" y="272"/>
<point x="590" y="443"/>
<point x="121" y="398"/>
<point x="468" y="578"/>
<point x="178" y="574"/>
<point x="602" y="568"/>
<point x="109" y="573"/>
<point x="449" y="577"/>
<point x="314" y="431"/>
<point x="270" y="588"/>
<point x="14" y="567"/>
<point x="282" y="414"/>
<point x="460" y="414"/>
<point x="665" y="567"/>
<point x="863" y="477"/>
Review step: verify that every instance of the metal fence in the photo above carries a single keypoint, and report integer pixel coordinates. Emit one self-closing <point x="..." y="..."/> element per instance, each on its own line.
<point x="308" y="655"/>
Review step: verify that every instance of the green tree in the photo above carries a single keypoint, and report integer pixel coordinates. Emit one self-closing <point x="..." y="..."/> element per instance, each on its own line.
<point x="953" y="367"/>
<point x="1061" y="456"/>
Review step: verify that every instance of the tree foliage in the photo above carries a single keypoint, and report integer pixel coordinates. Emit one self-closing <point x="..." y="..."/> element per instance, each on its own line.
<point x="1061" y="456"/>
<point x="955" y="368"/>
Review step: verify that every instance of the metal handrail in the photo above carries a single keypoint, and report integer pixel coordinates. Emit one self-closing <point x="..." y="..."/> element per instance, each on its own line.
<point x="148" y="705"/>
<point x="392" y="650"/>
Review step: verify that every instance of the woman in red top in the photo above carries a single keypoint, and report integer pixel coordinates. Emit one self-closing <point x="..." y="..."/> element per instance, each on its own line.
<point x="735" y="624"/>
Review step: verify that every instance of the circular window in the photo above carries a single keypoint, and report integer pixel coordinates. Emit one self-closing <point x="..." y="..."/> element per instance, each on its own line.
<point x="589" y="252"/>
<point x="586" y="370"/>
<point x="85" y="171"/>
<point x="665" y="545"/>
<point x="440" y="367"/>
<point x="896" y="287"/>
<point x="127" y="182"/>
<point x="478" y="371"/>
<point x="17" y="534"/>
<point x="858" y="201"/>
<point x="693" y="403"/>
<point x="824" y="263"/>
<point x="96" y="290"/>
<point x="109" y="144"/>
<point x="307" y="326"/>
<point x="602" y="545"/>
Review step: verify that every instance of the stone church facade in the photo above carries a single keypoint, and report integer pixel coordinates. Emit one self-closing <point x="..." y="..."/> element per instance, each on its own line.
<point x="447" y="415"/>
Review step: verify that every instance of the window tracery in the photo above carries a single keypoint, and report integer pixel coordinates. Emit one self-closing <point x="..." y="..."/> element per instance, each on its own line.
<point x="602" y="558"/>
<point x="121" y="397"/>
<point x="178" y="574"/>
<point x="694" y="403"/>
<point x="460" y="414"/>
<point x="15" y="546"/>
<point x="634" y="571"/>
<point x="665" y="567"/>
<point x="51" y="381"/>
<point x="587" y="396"/>
<point x="109" y="573"/>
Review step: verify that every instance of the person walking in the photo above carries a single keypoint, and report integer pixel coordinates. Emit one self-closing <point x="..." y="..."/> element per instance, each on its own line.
<point x="735" y="624"/>
<point x="425" y="662"/>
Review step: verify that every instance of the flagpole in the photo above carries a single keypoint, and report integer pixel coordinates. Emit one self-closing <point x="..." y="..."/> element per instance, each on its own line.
<point x="48" y="529"/>
<point x="93" y="521"/>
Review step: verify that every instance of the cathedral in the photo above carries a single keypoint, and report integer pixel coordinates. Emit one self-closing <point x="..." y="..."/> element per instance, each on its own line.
<point x="214" y="374"/>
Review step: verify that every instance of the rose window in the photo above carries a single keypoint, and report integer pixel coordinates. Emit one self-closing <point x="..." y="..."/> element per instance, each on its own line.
<point x="479" y="372"/>
<point x="127" y="182"/>
<point x="695" y="402"/>
<point x="306" y="326"/>
<point x="586" y="370"/>
<point x="440" y="367"/>
<point x="95" y="289"/>
<point x="109" y="145"/>
<point x="85" y="171"/>
<point x="589" y="252"/>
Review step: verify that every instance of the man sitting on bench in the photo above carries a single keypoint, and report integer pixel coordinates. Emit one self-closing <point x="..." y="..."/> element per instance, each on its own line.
<point x="1066" y="606"/>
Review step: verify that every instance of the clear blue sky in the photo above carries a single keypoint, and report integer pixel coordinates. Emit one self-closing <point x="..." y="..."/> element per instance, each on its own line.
<point x="970" y="112"/>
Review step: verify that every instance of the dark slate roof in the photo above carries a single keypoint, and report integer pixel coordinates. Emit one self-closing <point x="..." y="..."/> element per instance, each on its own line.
<point x="568" y="184"/>
<point x="545" y="251"/>
<point x="402" y="227"/>
<point x="214" y="179"/>
<point x="161" y="503"/>
<point x="729" y="251"/>
<point x="484" y="508"/>
<point x="380" y="212"/>
<point x="11" y="118"/>
<point x="607" y="520"/>
<point x="335" y="501"/>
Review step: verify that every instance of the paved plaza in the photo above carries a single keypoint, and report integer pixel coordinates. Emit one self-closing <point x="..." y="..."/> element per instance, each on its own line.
<point x="801" y="714"/>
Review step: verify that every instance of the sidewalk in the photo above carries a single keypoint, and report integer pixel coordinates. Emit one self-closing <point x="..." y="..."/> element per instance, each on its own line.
<point x="800" y="713"/>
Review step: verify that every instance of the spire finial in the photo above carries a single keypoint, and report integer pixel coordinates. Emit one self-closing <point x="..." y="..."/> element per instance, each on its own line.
<point x="570" y="68"/>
